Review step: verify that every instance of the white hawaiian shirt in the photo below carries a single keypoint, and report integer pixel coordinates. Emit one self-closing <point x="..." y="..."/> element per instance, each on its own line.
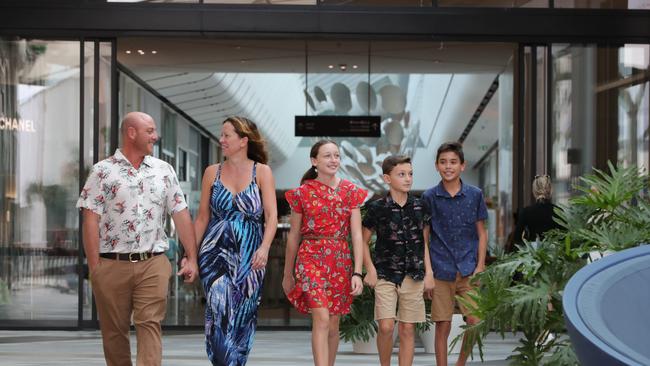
<point x="132" y="203"/>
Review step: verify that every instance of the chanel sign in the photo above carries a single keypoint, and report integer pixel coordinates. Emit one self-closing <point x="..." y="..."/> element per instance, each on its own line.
<point x="16" y="124"/>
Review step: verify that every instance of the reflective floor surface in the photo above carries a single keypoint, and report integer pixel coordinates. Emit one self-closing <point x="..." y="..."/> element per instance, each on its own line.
<point x="277" y="348"/>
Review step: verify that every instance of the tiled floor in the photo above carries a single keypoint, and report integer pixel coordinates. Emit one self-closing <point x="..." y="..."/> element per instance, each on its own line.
<point x="277" y="348"/>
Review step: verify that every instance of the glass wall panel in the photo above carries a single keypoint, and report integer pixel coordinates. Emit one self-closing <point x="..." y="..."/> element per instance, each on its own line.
<point x="104" y="107"/>
<point x="574" y="104"/>
<point x="633" y="99"/>
<point x="541" y="108"/>
<point x="505" y="156"/>
<point x="425" y="93"/>
<point x="97" y="109"/>
<point x="633" y="125"/>
<point x="39" y="181"/>
<point x="600" y="98"/>
<point x="261" y="80"/>
<point x="88" y="146"/>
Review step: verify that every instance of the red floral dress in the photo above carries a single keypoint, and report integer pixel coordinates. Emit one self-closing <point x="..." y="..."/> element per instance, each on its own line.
<point x="324" y="266"/>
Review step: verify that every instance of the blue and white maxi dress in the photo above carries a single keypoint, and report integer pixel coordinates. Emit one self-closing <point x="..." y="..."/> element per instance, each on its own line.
<point x="233" y="289"/>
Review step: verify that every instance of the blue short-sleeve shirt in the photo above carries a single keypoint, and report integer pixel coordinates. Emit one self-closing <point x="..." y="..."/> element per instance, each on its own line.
<point x="453" y="246"/>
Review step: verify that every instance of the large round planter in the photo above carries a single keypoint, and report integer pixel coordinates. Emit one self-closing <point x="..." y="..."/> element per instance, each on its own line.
<point x="428" y="337"/>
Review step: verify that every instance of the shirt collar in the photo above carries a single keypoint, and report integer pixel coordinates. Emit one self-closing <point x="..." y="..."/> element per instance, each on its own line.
<point x="440" y="190"/>
<point x="119" y="156"/>
<point x="389" y="200"/>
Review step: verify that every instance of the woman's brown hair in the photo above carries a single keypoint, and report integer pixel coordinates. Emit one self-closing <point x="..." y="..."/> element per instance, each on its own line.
<point x="244" y="127"/>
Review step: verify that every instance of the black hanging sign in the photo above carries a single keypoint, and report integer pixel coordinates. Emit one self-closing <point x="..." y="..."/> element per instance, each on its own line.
<point x="338" y="126"/>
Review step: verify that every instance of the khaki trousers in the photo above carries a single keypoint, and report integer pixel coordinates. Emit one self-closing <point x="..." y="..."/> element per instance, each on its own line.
<point x="123" y="288"/>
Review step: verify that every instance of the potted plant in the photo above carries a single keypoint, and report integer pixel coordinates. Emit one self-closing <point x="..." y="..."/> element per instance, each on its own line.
<point x="359" y="326"/>
<point x="612" y="213"/>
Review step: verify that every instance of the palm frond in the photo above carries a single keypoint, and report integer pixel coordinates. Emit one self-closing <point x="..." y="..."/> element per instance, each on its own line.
<point x="522" y="291"/>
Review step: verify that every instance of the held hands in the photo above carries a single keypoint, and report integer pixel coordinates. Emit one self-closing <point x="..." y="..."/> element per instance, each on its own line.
<point x="357" y="286"/>
<point x="288" y="283"/>
<point x="260" y="257"/>
<point x="371" y="277"/>
<point x="189" y="270"/>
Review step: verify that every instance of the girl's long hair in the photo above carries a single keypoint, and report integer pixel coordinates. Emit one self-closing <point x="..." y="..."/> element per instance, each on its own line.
<point x="311" y="173"/>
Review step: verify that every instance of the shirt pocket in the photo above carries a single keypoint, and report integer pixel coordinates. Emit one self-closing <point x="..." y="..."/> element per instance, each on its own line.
<point x="468" y="226"/>
<point x="154" y="191"/>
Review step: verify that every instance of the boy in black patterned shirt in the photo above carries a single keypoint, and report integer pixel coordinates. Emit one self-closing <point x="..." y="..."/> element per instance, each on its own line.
<point x="400" y="271"/>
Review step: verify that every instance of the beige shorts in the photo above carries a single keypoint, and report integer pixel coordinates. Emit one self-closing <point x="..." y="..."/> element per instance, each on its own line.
<point x="404" y="303"/>
<point x="444" y="299"/>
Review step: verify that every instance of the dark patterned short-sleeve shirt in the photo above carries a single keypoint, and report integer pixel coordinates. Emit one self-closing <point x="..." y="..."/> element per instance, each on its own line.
<point x="399" y="249"/>
<point x="453" y="247"/>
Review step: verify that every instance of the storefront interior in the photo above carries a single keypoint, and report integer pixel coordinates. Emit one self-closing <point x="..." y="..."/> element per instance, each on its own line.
<point x="520" y="109"/>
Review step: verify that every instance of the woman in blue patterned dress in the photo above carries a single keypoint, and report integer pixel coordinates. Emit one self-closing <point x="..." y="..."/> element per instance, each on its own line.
<point x="237" y="220"/>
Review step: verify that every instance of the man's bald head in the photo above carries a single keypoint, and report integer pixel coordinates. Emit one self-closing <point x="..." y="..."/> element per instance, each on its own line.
<point x="135" y="120"/>
<point x="138" y="133"/>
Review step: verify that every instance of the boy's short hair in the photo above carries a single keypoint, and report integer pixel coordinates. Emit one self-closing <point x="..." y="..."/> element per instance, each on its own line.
<point x="452" y="146"/>
<point x="392" y="161"/>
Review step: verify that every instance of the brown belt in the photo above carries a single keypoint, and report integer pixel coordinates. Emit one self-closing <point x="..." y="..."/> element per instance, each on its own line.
<point x="133" y="257"/>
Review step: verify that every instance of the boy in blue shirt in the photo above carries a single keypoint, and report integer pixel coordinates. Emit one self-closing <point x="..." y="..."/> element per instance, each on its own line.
<point x="458" y="242"/>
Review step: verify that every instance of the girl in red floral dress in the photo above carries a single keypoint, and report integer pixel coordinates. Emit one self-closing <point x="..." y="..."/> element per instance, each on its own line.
<point x="324" y="210"/>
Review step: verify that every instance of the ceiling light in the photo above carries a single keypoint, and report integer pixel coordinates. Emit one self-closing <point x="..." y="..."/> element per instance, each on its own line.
<point x="243" y="61"/>
<point x="343" y="67"/>
<point x="154" y="52"/>
<point x="355" y="66"/>
<point x="330" y="66"/>
<point x="128" y="52"/>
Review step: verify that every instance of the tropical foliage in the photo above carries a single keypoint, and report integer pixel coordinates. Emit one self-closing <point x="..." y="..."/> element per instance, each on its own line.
<point x="359" y="324"/>
<point x="522" y="291"/>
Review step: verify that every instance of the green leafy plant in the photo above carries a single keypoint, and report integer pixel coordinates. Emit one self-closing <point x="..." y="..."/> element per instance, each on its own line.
<point x="360" y="324"/>
<point x="612" y="213"/>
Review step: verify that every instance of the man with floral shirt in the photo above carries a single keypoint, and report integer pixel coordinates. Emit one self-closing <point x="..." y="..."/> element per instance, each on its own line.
<point x="125" y="202"/>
